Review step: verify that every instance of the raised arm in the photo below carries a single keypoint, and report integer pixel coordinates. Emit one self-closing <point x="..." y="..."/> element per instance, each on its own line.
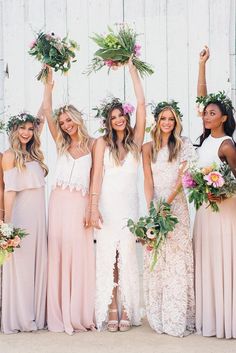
<point x="97" y="175"/>
<point x="47" y="104"/>
<point x="201" y="83"/>
<point x="139" y="129"/>
<point x="8" y="162"/>
<point x="148" y="179"/>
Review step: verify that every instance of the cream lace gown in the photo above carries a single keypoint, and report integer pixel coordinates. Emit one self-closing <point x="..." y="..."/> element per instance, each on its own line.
<point x="118" y="202"/>
<point x="168" y="289"/>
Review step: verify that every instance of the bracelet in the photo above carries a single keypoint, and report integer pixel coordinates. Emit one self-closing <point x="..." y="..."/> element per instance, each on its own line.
<point x="94" y="193"/>
<point x="202" y="84"/>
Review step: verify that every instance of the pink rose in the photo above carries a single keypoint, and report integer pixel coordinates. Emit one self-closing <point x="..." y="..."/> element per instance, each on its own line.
<point x="16" y="241"/>
<point x="32" y="44"/>
<point x="4" y="245"/>
<point x="109" y="63"/>
<point x="137" y="49"/>
<point x="128" y="108"/>
<point x="149" y="248"/>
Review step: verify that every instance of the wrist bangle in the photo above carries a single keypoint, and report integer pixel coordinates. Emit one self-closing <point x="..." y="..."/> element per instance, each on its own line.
<point x="94" y="193"/>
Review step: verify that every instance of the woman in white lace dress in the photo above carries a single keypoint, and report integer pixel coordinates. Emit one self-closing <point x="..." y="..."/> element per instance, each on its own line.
<point x="168" y="289"/>
<point x="114" y="194"/>
<point x="71" y="258"/>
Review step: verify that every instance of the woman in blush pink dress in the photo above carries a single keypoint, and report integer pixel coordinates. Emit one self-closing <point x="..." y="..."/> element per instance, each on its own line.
<point x="71" y="264"/>
<point x="215" y="232"/>
<point x="24" y="275"/>
<point x="1" y="218"/>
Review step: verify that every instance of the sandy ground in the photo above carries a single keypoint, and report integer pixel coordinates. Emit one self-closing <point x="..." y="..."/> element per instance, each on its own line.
<point x="138" y="340"/>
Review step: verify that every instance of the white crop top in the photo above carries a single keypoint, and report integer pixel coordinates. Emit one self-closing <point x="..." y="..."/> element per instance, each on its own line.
<point x="73" y="173"/>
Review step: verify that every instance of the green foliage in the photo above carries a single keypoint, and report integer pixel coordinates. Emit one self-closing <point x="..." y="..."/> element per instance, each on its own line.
<point x="53" y="51"/>
<point x="219" y="97"/>
<point x="154" y="228"/>
<point x="118" y="48"/>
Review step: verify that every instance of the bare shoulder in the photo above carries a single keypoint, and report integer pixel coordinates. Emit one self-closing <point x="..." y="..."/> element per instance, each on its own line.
<point x="8" y="160"/>
<point x="100" y="142"/>
<point x="147" y="147"/>
<point x="228" y="145"/>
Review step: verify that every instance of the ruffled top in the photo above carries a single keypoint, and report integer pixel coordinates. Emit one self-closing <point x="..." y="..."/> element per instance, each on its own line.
<point x="30" y="178"/>
<point x="73" y="173"/>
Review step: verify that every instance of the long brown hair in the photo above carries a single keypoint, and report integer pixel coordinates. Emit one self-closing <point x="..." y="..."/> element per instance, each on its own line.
<point x="174" y="141"/>
<point x="111" y="136"/>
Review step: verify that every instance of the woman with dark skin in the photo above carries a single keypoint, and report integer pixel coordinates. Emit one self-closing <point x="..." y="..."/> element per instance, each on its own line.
<point x="215" y="232"/>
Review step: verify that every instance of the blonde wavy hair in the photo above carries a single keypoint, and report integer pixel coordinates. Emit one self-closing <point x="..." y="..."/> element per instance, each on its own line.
<point x="111" y="137"/>
<point x="32" y="148"/>
<point x="64" y="139"/>
<point x="174" y="142"/>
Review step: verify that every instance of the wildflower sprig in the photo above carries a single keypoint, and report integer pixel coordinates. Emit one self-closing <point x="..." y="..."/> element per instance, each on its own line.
<point x="153" y="229"/>
<point x="116" y="48"/>
<point x="51" y="50"/>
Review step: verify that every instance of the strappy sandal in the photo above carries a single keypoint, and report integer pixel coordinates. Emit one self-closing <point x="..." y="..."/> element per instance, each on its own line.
<point x="112" y="325"/>
<point x="124" y="324"/>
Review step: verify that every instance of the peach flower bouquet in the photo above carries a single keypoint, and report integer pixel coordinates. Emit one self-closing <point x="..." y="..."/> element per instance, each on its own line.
<point x="10" y="239"/>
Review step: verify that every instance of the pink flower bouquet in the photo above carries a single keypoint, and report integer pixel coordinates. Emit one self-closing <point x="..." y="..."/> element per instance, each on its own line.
<point x="10" y="238"/>
<point x="202" y="184"/>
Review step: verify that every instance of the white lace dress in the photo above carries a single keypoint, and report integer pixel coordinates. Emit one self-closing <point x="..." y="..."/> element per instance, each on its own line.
<point x="118" y="202"/>
<point x="168" y="289"/>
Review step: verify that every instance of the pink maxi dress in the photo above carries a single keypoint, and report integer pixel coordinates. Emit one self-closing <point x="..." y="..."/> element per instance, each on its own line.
<point x="24" y="275"/>
<point x="71" y="264"/>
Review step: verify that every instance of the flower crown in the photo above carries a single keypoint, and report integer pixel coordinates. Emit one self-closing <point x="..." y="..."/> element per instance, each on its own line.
<point x="20" y="119"/>
<point x="219" y="97"/>
<point x="157" y="108"/>
<point x="109" y="104"/>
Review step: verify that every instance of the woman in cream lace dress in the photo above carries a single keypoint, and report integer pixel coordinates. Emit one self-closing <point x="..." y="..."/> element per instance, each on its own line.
<point x="168" y="289"/>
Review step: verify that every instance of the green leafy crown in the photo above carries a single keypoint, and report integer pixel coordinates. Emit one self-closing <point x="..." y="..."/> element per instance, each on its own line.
<point x="219" y="97"/>
<point x="22" y="118"/>
<point x="157" y="108"/>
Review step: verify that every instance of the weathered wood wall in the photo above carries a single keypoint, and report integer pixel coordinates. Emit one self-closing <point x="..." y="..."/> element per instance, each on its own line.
<point x="173" y="33"/>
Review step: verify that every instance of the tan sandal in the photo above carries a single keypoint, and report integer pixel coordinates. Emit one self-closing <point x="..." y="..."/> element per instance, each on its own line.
<point x="124" y="324"/>
<point x="112" y="325"/>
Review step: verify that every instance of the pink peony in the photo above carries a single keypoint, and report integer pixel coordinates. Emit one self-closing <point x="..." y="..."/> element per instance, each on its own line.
<point x="128" y="108"/>
<point x="137" y="49"/>
<point x="215" y="179"/>
<point x="188" y="181"/>
<point x="4" y="245"/>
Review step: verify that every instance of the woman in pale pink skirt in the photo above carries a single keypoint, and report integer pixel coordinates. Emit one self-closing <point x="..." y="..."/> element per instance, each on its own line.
<point x="71" y="264"/>
<point x="1" y="218"/>
<point x="24" y="274"/>
<point x="215" y="232"/>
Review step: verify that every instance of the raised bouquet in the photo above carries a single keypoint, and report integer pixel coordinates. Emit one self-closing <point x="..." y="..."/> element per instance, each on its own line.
<point x="51" y="50"/>
<point x="10" y="238"/>
<point x="115" y="49"/>
<point x="214" y="180"/>
<point x="153" y="229"/>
